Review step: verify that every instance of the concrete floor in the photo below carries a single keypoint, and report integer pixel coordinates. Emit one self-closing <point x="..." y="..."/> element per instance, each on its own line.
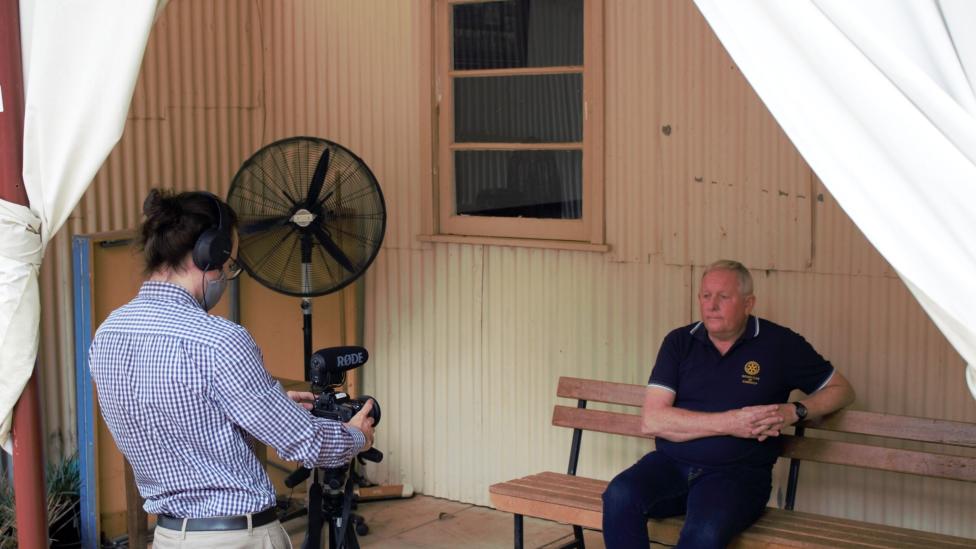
<point x="423" y="521"/>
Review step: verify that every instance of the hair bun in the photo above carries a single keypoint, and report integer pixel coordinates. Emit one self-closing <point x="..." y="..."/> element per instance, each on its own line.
<point x="162" y="205"/>
<point x="151" y="204"/>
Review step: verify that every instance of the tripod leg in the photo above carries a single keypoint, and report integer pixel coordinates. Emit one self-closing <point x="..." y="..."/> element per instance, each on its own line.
<point x="351" y="541"/>
<point x="313" y="535"/>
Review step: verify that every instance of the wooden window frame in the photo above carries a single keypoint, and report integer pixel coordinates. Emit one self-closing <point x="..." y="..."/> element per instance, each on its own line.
<point x="584" y="233"/>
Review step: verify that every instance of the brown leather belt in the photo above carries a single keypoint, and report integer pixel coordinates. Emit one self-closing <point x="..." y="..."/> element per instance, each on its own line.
<point x="238" y="522"/>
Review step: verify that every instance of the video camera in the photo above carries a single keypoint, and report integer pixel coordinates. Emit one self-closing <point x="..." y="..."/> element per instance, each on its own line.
<point x="327" y="370"/>
<point x="331" y="497"/>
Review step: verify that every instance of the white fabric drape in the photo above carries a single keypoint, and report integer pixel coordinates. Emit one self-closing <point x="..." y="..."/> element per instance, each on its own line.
<point x="81" y="62"/>
<point x="879" y="96"/>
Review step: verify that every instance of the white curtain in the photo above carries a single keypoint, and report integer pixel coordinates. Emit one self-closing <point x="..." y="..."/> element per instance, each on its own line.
<point x="81" y="61"/>
<point x="879" y="96"/>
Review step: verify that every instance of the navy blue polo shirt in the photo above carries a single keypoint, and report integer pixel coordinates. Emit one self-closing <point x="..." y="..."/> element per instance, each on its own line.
<point x="762" y="367"/>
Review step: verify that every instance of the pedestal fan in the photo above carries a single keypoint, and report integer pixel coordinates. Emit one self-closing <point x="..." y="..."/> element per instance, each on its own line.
<point x="311" y="220"/>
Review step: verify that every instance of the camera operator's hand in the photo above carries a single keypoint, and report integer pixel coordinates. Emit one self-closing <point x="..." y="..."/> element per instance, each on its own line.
<point x="304" y="398"/>
<point x="364" y="423"/>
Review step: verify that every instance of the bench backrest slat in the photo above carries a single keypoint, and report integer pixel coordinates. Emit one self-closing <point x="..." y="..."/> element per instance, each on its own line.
<point x="884" y="459"/>
<point x="803" y="448"/>
<point x="953" y="433"/>
<point x="940" y="431"/>
<point x="601" y="391"/>
<point x="597" y="420"/>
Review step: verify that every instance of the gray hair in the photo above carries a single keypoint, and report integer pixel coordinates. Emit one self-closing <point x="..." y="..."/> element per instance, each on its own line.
<point x="740" y="270"/>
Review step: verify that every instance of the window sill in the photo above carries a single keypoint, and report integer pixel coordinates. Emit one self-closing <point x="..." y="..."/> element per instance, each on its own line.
<point x="516" y="242"/>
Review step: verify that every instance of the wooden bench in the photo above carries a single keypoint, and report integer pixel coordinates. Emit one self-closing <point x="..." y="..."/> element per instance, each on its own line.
<point x="574" y="500"/>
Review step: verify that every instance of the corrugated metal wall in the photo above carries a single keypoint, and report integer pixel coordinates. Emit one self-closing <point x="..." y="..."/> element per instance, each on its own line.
<point x="468" y="341"/>
<point x="219" y="80"/>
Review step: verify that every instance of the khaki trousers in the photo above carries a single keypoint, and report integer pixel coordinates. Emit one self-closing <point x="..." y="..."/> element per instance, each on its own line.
<point x="269" y="536"/>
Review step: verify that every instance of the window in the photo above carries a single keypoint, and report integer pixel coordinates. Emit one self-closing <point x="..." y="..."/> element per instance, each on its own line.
<point x="520" y="112"/>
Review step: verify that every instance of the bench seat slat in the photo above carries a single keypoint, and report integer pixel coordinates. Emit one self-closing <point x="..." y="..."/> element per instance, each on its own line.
<point x="592" y="483"/>
<point x="532" y="489"/>
<point x="586" y="518"/>
<point x="762" y="536"/>
<point x="548" y="496"/>
<point x="557" y="480"/>
<point x="588" y="499"/>
<point x="779" y="518"/>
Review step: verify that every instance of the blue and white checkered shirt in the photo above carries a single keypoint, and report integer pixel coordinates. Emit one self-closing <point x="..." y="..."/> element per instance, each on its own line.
<point x="183" y="392"/>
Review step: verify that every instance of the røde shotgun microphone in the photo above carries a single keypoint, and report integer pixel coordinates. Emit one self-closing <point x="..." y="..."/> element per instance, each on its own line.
<point x="328" y="366"/>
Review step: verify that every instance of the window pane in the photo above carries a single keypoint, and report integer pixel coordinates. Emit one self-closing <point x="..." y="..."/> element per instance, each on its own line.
<point x="519" y="109"/>
<point x="531" y="183"/>
<point x="518" y="33"/>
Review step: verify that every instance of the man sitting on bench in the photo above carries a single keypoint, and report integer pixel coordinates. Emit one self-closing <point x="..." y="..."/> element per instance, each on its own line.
<point x="716" y="396"/>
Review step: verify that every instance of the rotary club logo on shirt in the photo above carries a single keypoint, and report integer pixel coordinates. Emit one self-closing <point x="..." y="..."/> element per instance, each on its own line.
<point x="751" y="375"/>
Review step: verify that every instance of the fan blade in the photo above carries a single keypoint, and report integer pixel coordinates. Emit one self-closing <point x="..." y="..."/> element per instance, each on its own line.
<point x="263" y="225"/>
<point x="318" y="179"/>
<point x="330" y="246"/>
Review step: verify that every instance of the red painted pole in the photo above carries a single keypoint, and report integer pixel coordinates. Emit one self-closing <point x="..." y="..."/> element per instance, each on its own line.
<point x="29" y="492"/>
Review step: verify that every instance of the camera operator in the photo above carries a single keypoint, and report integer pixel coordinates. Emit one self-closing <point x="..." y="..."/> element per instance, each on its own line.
<point x="184" y="392"/>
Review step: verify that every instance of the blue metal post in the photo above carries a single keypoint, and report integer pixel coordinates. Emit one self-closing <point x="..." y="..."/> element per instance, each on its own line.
<point x="81" y="251"/>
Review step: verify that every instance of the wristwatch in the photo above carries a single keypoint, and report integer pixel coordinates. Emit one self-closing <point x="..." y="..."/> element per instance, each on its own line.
<point x="801" y="411"/>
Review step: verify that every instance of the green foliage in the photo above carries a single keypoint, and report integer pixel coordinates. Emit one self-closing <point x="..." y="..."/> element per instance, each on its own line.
<point x="63" y="486"/>
<point x="8" y="537"/>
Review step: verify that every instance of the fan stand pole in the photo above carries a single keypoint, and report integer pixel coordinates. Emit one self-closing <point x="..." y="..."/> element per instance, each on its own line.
<point x="307" y="318"/>
<point x="307" y="335"/>
<point x="313" y="535"/>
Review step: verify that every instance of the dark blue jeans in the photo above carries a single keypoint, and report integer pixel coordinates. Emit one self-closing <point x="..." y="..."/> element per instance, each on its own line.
<point x="719" y="502"/>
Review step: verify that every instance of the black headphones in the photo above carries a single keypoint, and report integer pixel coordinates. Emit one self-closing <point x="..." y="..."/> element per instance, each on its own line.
<point x="213" y="246"/>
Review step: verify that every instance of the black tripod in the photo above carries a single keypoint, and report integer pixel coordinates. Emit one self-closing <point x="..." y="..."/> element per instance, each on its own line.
<point x="331" y="499"/>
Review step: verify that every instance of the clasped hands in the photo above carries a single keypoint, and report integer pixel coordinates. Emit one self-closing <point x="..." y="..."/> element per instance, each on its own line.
<point x="760" y="422"/>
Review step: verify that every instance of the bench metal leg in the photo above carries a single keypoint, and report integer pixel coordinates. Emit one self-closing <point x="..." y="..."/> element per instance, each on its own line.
<point x="518" y="531"/>
<point x="577" y="542"/>
<point x="578" y="534"/>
